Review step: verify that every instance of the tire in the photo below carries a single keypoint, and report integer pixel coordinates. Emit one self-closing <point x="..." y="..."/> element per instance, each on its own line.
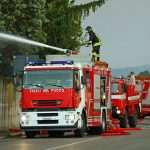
<point x="94" y="131"/>
<point x="90" y="131"/>
<point x="104" y="124"/>
<point x="52" y="133"/>
<point x="30" y="134"/>
<point x="138" y="112"/>
<point x="56" y="133"/>
<point x="142" y="116"/>
<point x="123" y="120"/>
<point x="132" y="121"/>
<point x="80" y="132"/>
<point x="60" y="133"/>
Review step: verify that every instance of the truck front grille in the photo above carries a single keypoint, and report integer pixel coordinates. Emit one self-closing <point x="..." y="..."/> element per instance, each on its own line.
<point x="47" y="121"/>
<point x="46" y="102"/>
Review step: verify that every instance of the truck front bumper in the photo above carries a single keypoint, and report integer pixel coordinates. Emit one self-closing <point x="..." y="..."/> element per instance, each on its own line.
<point x="53" y="120"/>
<point x="50" y="128"/>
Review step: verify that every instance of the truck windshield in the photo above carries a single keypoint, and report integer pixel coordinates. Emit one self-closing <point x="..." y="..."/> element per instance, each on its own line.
<point x="114" y="88"/>
<point x="47" y="79"/>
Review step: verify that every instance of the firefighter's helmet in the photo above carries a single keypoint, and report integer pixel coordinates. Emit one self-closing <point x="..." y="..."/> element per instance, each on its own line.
<point x="88" y="28"/>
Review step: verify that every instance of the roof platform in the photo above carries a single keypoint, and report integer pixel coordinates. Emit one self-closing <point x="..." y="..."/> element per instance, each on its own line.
<point x="82" y="58"/>
<point x="101" y="64"/>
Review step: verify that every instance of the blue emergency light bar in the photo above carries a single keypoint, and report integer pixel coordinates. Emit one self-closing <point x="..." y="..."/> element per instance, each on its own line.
<point x="34" y="63"/>
<point x="66" y="62"/>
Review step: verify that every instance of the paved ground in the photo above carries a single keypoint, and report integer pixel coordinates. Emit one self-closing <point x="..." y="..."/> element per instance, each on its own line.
<point x="136" y="141"/>
<point x="8" y="134"/>
<point x="14" y="132"/>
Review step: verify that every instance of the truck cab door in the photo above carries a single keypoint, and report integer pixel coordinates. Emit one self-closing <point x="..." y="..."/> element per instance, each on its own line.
<point x="77" y="85"/>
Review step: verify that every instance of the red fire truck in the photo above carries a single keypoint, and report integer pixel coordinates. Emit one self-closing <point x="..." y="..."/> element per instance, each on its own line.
<point x="65" y="95"/>
<point x="143" y="87"/>
<point x="125" y="103"/>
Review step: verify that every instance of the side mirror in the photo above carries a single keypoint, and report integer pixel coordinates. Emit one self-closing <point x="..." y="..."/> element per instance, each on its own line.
<point x="78" y="88"/>
<point x="16" y="81"/>
<point x="125" y="88"/>
<point x="83" y="81"/>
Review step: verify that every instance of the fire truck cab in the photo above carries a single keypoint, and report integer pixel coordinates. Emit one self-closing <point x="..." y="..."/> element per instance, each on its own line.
<point x="125" y="103"/>
<point x="143" y="87"/>
<point x="71" y="94"/>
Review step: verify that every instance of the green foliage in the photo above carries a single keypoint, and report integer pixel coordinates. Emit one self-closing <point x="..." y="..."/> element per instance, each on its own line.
<point x="144" y="73"/>
<point x="64" y="25"/>
<point x="24" y="18"/>
<point x="53" y="22"/>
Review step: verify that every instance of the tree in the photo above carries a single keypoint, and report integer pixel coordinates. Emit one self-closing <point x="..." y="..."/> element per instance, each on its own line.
<point x="144" y="73"/>
<point x="53" y="22"/>
<point x="24" y="18"/>
<point x="65" y="18"/>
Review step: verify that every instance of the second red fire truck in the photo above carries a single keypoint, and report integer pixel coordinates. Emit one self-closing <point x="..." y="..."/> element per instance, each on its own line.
<point x="143" y="87"/>
<point x="125" y="103"/>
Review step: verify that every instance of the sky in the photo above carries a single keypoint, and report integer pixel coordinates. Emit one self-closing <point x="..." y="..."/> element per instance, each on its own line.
<point x="124" y="27"/>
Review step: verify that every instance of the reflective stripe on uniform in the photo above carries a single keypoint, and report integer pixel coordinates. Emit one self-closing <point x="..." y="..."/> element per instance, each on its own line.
<point x="95" y="54"/>
<point x="98" y="43"/>
<point x="98" y="55"/>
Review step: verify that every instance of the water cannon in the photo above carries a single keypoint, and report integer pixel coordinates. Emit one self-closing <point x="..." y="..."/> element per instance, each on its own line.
<point x="70" y="52"/>
<point x="66" y="51"/>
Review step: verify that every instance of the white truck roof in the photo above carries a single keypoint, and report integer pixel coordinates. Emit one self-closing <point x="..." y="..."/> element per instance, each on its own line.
<point x="81" y="58"/>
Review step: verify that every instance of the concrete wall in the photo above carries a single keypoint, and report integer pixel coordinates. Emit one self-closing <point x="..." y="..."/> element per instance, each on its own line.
<point x="9" y="104"/>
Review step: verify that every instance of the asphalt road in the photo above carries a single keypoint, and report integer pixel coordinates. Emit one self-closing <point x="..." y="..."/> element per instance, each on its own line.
<point x="136" y="141"/>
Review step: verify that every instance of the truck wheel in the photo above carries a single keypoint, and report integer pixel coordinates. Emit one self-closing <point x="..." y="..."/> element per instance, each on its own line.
<point x="123" y="121"/>
<point x="142" y="116"/>
<point x="52" y="133"/>
<point x="132" y="121"/>
<point x="90" y="131"/>
<point x="104" y="124"/>
<point x="138" y="112"/>
<point x="60" y="133"/>
<point x="80" y="132"/>
<point x="30" y="134"/>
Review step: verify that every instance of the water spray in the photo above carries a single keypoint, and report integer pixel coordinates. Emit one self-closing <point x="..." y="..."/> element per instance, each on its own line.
<point x="30" y="42"/>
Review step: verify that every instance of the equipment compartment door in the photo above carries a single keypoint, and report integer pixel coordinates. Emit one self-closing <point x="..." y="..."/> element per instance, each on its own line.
<point x="97" y="92"/>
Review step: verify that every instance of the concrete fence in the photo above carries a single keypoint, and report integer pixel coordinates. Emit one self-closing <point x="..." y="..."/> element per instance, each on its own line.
<point x="9" y="104"/>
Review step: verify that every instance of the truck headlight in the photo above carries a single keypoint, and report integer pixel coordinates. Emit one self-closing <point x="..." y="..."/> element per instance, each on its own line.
<point x="69" y="117"/>
<point x="24" y="117"/>
<point x="118" y="111"/>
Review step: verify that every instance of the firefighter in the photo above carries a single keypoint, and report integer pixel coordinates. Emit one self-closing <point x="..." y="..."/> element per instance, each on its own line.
<point x="132" y="81"/>
<point x="96" y="42"/>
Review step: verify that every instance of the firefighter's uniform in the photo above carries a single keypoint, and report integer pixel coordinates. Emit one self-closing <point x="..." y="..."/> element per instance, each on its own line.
<point x="96" y="42"/>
